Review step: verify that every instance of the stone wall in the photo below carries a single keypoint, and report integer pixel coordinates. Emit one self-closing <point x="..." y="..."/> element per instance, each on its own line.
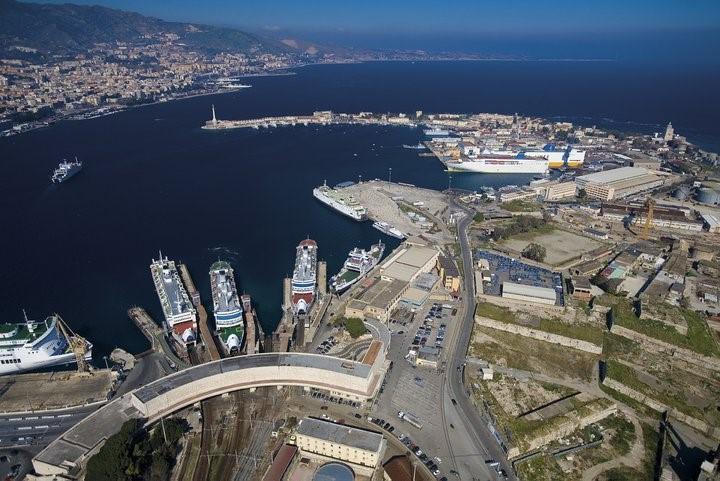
<point x="540" y="335"/>
<point x="657" y="346"/>
<point x="570" y="423"/>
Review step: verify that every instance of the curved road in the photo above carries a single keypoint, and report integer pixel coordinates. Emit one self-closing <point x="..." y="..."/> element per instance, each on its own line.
<point x="484" y="440"/>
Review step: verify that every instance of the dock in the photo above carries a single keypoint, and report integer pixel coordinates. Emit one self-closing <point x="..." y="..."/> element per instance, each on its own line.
<point x="205" y="333"/>
<point x="157" y="338"/>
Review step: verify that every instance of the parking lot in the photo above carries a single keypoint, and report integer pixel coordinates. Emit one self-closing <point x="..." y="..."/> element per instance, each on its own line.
<point x="503" y="268"/>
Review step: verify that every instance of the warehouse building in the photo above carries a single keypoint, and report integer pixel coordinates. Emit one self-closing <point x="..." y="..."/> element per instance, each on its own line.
<point x="562" y="190"/>
<point x="520" y="292"/>
<point x="338" y="441"/>
<point x="409" y="262"/>
<point x="618" y="183"/>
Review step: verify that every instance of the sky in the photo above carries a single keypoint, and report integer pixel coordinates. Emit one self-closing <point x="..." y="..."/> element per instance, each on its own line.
<point x="599" y="27"/>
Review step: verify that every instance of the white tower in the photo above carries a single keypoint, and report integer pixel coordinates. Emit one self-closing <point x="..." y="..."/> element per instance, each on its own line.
<point x="669" y="132"/>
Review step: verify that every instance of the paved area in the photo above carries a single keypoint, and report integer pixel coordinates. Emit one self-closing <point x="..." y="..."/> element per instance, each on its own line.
<point x="53" y="390"/>
<point x="39" y="429"/>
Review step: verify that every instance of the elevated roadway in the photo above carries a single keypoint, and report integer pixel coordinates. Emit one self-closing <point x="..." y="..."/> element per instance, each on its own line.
<point x="67" y="454"/>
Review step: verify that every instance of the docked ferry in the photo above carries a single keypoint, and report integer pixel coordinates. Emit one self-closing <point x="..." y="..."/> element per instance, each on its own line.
<point x="341" y="201"/>
<point x="227" y="309"/>
<point x="34" y="345"/>
<point x="180" y="315"/>
<point x="386" y="228"/>
<point x="304" y="278"/>
<point x="356" y="266"/>
<point x="518" y="162"/>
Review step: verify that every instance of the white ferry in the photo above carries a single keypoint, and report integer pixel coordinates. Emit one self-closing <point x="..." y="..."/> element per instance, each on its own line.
<point x="304" y="280"/>
<point x="356" y="266"/>
<point x="227" y="309"/>
<point x="34" y="345"/>
<point x="180" y="315"/>
<point x="340" y="201"/>
<point x="386" y="228"/>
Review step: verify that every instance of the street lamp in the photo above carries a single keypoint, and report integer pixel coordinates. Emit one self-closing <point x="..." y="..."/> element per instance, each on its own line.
<point x="106" y="363"/>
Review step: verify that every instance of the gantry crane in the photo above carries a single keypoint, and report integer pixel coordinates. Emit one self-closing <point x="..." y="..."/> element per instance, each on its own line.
<point x="78" y="344"/>
<point x="649" y="208"/>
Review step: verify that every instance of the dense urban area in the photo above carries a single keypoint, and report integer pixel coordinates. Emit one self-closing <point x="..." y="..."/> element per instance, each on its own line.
<point x="567" y="328"/>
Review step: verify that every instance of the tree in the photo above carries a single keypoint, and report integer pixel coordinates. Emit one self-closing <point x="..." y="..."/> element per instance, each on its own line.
<point x="534" y="252"/>
<point x="479" y="217"/>
<point x="582" y="194"/>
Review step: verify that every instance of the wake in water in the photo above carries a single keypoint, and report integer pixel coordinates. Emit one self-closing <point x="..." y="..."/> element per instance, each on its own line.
<point x="225" y="252"/>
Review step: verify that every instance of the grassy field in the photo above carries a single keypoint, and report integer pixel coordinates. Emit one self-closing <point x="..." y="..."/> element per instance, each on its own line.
<point x="521" y="206"/>
<point x="583" y="332"/>
<point x="699" y="337"/>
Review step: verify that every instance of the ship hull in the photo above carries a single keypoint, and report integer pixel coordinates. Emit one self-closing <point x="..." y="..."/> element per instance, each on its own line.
<point x="339" y="208"/>
<point x="499" y="168"/>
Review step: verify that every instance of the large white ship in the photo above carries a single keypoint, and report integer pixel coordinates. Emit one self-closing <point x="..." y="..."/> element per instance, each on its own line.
<point x="340" y="201"/>
<point x="304" y="278"/>
<point x="227" y="309"/>
<point x="356" y="266"/>
<point x="34" y="345"/>
<point x="180" y="315"/>
<point x="516" y="162"/>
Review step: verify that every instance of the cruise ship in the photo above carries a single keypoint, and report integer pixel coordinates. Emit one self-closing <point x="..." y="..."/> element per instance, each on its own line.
<point x="386" y="228"/>
<point x="356" y="266"/>
<point x="340" y="201"/>
<point x="34" y="345"/>
<point x="227" y="309"/>
<point x="65" y="171"/>
<point x="304" y="277"/>
<point x="180" y="315"/>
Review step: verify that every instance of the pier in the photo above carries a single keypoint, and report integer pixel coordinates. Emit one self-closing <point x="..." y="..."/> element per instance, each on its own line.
<point x="205" y="333"/>
<point x="157" y="338"/>
<point x="317" y="118"/>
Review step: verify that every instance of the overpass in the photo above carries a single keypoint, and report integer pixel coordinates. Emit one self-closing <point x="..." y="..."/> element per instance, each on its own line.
<point x="354" y="380"/>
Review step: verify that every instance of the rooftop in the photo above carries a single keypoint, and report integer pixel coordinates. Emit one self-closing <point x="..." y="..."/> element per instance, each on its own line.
<point x="614" y="175"/>
<point x="532" y="291"/>
<point x="341" y="434"/>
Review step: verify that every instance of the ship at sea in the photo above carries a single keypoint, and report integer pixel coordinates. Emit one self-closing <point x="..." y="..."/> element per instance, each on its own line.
<point x="66" y="170"/>
<point x="356" y="266"/>
<point x="304" y="278"/>
<point x="516" y="162"/>
<point x="418" y="146"/>
<point x="387" y="229"/>
<point x="227" y="309"/>
<point x="338" y="199"/>
<point x="180" y="315"/>
<point x="37" y="344"/>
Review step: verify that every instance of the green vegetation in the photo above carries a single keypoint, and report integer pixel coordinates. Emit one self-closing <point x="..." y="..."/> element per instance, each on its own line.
<point x="541" y="468"/>
<point x="521" y="227"/>
<point x="479" y="217"/>
<point x="354" y="327"/>
<point x="134" y="454"/>
<point x="647" y="471"/>
<point x="521" y="206"/>
<point x="534" y="252"/>
<point x="584" y="332"/>
<point x="699" y="337"/>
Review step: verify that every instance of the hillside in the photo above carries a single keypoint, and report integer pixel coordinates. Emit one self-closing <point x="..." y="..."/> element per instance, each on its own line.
<point x="31" y="29"/>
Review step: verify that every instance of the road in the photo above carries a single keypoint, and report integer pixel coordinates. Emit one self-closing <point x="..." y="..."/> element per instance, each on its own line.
<point x="39" y="429"/>
<point x="464" y="410"/>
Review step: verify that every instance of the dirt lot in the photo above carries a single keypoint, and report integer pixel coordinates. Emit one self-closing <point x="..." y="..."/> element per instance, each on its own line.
<point x="561" y="245"/>
<point x="54" y="389"/>
<point x="377" y="196"/>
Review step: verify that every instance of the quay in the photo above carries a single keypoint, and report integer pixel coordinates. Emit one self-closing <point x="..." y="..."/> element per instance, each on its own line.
<point x="157" y="338"/>
<point x="325" y="117"/>
<point x="205" y="333"/>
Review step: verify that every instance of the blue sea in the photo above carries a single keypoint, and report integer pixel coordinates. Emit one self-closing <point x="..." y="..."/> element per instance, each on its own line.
<point x="153" y="180"/>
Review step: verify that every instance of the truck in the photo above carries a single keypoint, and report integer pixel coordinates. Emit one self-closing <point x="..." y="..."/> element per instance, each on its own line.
<point x="412" y="420"/>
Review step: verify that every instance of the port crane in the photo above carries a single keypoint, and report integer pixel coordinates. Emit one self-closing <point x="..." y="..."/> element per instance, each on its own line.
<point x="78" y="344"/>
<point x="650" y="209"/>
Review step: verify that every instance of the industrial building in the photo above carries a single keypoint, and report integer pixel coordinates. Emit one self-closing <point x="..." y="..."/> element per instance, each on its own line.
<point x="618" y="183"/>
<point x="581" y="288"/>
<point x="338" y="441"/>
<point x="667" y="217"/>
<point x="427" y="356"/>
<point x="521" y="292"/>
<point x="562" y="190"/>
<point x="712" y="223"/>
<point x="449" y="274"/>
<point x="399" y="273"/>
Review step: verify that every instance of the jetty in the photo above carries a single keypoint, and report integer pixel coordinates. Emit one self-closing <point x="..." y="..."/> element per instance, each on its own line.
<point x="205" y="333"/>
<point x="158" y="341"/>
